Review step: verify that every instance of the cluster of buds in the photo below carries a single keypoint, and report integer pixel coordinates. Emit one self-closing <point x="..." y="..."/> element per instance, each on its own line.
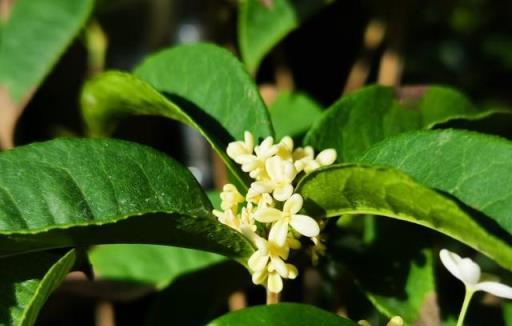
<point x="268" y="215"/>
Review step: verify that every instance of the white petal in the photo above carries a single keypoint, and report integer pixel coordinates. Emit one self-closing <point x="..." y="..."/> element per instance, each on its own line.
<point x="495" y="288"/>
<point x="258" y="261"/>
<point x="261" y="187"/>
<point x="267" y="215"/>
<point x="326" y="157"/>
<point x="293" y="205"/>
<point x="259" y="277"/>
<point x="451" y="261"/>
<point x="305" y="225"/>
<point x="249" y="140"/>
<point x="279" y="265"/>
<point x="235" y="149"/>
<point x="283" y="192"/>
<point x="288" y="171"/>
<point x="278" y="233"/>
<point x="274" y="166"/>
<point x="469" y="272"/>
<point x="292" y="271"/>
<point x="274" y="283"/>
<point x="250" y="165"/>
<point x="287" y="143"/>
<point x="311" y="166"/>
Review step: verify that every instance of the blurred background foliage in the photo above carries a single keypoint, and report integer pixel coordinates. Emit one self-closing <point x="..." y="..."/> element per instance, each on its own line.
<point x="466" y="44"/>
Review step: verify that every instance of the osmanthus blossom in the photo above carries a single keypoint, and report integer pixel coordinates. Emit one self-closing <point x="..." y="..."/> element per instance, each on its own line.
<point x="286" y="217"/>
<point x="467" y="271"/>
<point x="271" y="202"/>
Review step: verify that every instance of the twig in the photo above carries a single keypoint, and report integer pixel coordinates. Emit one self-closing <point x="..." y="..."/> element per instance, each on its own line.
<point x="105" y="314"/>
<point x="272" y="298"/>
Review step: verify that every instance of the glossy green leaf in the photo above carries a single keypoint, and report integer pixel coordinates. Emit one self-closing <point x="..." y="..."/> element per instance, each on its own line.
<point x="201" y="85"/>
<point x="261" y="27"/>
<point x="34" y="36"/>
<point x="26" y="283"/>
<point x="76" y="192"/>
<point x="197" y="297"/>
<point x="363" y="118"/>
<point x="293" y="114"/>
<point x="282" y="314"/>
<point x="212" y="84"/>
<point x="111" y="96"/>
<point x="473" y="167"/>
<point x="351" y="189"/>
<point x="151" y="265"/>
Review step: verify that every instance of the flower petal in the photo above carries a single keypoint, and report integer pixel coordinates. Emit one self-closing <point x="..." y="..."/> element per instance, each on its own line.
<point x="396" y="321"/>
<point x="267" y="215"/>
<point x="278" y="232"/>
<point x="262" y="187"/>
<point x="279" y="265"/>
<point x="469" y="272"/>
<point x="293" y="205"/>
<point x="451" y="261"/>
<point x="292" y="271"/>
<point x="283" y="192"/>
<point x="274" y="167"/>
<point x="326" y="157"/>
<point x="495" y="288"/>
<point x="274" y="282"/>
<point x="259" y="277"/>
<point x="258" y="261"/>
<point x="305" y="225"/>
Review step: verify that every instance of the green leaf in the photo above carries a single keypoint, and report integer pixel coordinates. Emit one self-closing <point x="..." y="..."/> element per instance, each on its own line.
<point x="197" y="297"/>
<point x="152" y="265"/>
<point x="111" y="96"/>
<point x="79" y="192"/>
<point x="261" y="27"/>
<point x="26" y="282"/>
<point x="474" y="168"/>
<point x="281" y="314"/>
<point x="34" y="36"/>
<point x="188" y="86"/>
<point x="293" y="114"/>
<point x="363" y="118"/>
<point x="213" y="84"/>
<point x="351" y="189"/>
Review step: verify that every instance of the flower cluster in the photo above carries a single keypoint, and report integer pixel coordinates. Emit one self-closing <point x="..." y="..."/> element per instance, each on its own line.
<point x="269" y="213"/>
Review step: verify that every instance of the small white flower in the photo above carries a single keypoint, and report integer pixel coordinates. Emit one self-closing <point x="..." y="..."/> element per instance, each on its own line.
<point x="285" y="148"/>
<point x="230" y="197"/>
<point x="305" y="158"/>
<point x="255" y="164"/>
<point x="227" y="217"/>
<point x="237" y="150"/>
<point x="302" y="224"/>
<point x="467" y="271"/>
<point x="267" y="264"/>
<point x="280" y="177"/>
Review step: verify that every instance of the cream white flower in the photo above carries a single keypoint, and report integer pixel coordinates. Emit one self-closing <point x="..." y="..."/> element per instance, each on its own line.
<point x="268" y="264"/>
<point x="280" y="177"/>
<point x="395" y="321"/>
<point x="230" y="197"/>
<point x="255" y="164"/>
<point x="238" y="150"/>
<point x="302" y="224"/>
<point x="304" y="158"/>
<point x="467" y="271"/>
<point x="285" y="148"/>
<point x="227" y="217"/>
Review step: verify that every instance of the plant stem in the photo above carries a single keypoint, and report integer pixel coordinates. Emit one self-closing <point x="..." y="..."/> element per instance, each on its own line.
<point x="465" y="305"/>
<point x="272" y="298"/>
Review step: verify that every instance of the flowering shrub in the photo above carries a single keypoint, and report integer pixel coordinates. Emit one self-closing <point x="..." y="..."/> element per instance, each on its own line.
<point x="338" y="214"/>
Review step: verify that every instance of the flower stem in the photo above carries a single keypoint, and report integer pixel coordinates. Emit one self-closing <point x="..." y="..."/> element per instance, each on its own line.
<point x="465" y="305"/>
<point x="272" y="297"/>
